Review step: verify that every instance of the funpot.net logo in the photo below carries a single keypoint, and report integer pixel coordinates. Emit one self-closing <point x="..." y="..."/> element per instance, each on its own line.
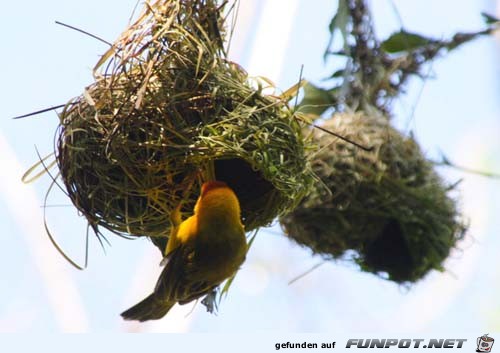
<point x="405" y="342"/>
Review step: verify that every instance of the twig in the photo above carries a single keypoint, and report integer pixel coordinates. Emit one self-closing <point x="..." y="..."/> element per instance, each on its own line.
<point x="447" y="163"/>
<point x="364" y="148"/>
<point x="306" y="273"/>
<point x="84" y="32"/>
<point x="40" y="111"/>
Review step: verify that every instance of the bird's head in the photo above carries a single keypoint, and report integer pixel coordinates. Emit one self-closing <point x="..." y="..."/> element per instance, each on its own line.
<point x="211" y="185"/>
<point x="217" y="200"/>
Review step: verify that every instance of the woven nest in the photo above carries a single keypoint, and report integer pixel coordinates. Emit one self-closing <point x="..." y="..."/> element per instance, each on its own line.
<point x="166" y="106"/>
<point x="388" y="205"/>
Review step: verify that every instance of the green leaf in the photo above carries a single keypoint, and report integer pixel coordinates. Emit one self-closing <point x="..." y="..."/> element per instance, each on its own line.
<point x="339" y="22"/>
<point x="489" y="19"/>
<point x="338" y="73"/>
<point x="404" y="41"/>
<point x="341" y="18"/>
<point x="316" y="100"/>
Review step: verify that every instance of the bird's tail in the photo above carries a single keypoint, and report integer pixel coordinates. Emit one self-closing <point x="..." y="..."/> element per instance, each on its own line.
<point x="149" y="308"/>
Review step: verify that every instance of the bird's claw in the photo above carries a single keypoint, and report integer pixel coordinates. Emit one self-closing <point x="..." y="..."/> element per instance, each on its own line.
<point x="210" y="302"/>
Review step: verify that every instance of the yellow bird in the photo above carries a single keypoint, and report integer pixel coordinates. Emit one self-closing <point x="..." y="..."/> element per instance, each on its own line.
<point x="202" y="251"/>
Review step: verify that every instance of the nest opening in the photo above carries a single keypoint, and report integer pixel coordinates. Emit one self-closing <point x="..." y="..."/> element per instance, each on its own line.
<point x="390" y="252"/>
<point x="249" y="185"/>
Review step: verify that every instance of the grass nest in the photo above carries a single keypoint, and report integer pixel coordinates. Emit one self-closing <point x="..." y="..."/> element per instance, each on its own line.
<point x="388" y="205"/>
<point x="167" y="105"/>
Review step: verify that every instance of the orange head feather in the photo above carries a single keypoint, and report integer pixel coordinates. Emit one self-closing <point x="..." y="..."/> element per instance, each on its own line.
<point x="210" y="185"/>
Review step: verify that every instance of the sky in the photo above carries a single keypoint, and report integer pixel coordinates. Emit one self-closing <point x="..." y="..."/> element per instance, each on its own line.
<point x="455" y="112"/>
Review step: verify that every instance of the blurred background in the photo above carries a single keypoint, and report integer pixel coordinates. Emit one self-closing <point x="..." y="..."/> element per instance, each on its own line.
<point x="455" y="112"/>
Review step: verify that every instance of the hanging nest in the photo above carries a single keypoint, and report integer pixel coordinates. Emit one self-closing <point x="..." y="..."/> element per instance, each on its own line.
<point x="388" y="205"/>
<point x="165" y="105"/>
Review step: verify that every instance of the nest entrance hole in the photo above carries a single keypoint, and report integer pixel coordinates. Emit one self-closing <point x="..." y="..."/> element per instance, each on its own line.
<point x="390" y="253"/>
<point x="248" y="184"/>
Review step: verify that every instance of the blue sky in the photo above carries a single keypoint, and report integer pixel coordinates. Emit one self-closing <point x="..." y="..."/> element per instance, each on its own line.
<point x="457" y="112"/>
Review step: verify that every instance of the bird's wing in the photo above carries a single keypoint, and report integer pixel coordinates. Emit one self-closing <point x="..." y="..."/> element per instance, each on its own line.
<point x="170" y="276"/>
<point x="180" y="280"/>
<point x="196" y="291"/>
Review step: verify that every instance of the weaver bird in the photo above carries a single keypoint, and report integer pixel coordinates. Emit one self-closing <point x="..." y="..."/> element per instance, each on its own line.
<point x="202" y="251"/>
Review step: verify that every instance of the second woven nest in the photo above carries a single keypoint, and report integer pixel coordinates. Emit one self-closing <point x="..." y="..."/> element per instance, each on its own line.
<point x="388" y="206"/>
